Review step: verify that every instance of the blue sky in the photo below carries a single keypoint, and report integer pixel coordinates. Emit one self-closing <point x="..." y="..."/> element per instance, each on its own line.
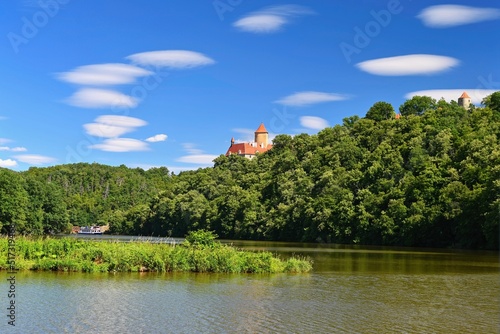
<point x="168" y="83"/>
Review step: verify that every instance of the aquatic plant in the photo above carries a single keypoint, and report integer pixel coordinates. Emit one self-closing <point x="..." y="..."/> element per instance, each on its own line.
<point x="201" y="254"/>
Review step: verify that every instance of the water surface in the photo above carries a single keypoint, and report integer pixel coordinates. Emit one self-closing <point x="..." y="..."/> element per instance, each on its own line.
<point x="351" y="290"/>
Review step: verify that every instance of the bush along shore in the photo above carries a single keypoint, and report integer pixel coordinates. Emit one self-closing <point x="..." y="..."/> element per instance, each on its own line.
<point x="199" y="253"/>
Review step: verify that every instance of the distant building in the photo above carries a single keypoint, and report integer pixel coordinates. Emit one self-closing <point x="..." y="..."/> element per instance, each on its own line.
<point x="464" y="100"/>
<point x="248" y="150"/>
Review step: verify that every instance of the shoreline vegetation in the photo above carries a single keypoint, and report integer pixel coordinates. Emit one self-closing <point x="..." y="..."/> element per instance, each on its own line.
<point x="199" y="253"/>
<point x="425" y="177"/>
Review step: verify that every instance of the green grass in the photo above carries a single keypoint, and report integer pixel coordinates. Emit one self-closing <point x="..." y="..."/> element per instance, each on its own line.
<point x="69" y="254"/>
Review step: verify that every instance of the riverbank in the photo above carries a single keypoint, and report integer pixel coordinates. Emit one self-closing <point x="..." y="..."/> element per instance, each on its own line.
<point x="68" y="254"/>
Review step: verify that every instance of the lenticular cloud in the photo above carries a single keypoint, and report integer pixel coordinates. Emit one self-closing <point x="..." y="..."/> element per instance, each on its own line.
<point x="313" y="122"/>
<point x="271" y="19"/>
<point x="101" y="98"/>
<point x="444" y="16"/>
<point x="174" y="59"/>
<point x="104" y="74"/>
<point x="310" y="97"/>
<point x="416" y="64"/>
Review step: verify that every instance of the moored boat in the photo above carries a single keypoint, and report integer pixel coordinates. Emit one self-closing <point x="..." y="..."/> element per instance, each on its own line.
<point x="90" y="230"/>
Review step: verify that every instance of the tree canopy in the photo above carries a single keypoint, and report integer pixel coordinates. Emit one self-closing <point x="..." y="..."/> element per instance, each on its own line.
<point x="430" y="178"/>
<point x="381" y="111"/>
<point x="417" y="105"/>
<point x="492" y="101"/>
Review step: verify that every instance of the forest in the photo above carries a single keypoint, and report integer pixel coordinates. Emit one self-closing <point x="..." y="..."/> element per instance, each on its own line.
<point x="427" y="177"/>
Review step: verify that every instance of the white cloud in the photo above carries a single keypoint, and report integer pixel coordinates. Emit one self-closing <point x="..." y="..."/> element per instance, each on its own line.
<point x="313" y="122"/>
<point x="34" y="159"/>
<point x="476" y="95"/>
<point x="111" y="126"/>
<point x="105" y="130"/>
<point x="310" y="97"/>
<point x="101" y="98"/>
<point x="118" y="120"/>
<point x="191" y="148"/>
<point x="174" y="59"/>
<point x="13" y="149"/>
<point x="444" y="16"/>
<point x="270" y="19"/>
<point x="8" y="163"/>
<point x="178" y="169"/>
<point x="121" y="145"/>
<point x="4" y="141"/>
<point x="200" y="159"/>
<point x="157" y="138"/>
<point x="248" y="135"/>
<point x="261" y="23"/>
<point x="415" y="64"/>
<point x="104" y="74"/>
<point x="196" y="156"/>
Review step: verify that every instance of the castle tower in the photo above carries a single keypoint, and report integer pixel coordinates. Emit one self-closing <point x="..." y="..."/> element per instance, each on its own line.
<point x="249" y="150"/>
<point x="464" y="100"/>
<point x="261" y="136"/>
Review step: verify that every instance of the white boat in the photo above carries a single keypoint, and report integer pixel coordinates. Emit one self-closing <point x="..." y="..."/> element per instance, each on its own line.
<point x="90" y="230"/>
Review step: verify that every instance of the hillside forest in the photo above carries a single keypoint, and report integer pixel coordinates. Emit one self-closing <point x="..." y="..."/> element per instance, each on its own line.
<point x="429" y="178"/>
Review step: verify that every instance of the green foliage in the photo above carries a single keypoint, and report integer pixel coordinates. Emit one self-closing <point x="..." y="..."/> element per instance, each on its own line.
<point x="50" y="200"/>
<point x="381" y="111"/>
<point x="417" y="105"/>
<point x="13" y="201"/>
<point x="201" y="238"/>
<point x="492" y="101"/>
<point x="68" y="254"/>
<point x="430" y="179"/>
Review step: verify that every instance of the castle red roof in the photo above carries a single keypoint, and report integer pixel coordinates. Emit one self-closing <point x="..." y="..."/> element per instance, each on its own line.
<point x="247" y="148"/>
<point x="465" y="96"/>
<point x="261" y="129"/>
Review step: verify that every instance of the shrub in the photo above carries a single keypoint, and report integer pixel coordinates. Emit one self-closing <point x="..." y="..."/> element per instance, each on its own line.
<point x="201" y="238"/>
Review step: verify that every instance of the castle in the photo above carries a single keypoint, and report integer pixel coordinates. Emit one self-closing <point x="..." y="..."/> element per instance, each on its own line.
<point x="464" y="100"/>
<point x="249" y="150"/>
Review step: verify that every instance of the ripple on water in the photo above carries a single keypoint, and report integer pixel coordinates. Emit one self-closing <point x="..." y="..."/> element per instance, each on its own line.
<point x="362" y="301"/>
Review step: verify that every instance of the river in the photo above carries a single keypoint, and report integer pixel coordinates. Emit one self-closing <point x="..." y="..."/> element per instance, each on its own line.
<point x="350" y="290"/>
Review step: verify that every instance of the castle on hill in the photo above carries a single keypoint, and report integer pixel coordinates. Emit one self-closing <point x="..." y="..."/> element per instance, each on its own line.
<point x="249" y="150"/>
<point x="261" y="142"/>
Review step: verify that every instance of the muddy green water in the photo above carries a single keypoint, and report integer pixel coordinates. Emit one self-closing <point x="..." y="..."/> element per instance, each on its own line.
<point x="351" y="290"/>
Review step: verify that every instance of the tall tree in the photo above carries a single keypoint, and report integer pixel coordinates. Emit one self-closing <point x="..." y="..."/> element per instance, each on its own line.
<point x="381" y="111"/>
<point x="492" y="101"/>
<point x="417" y="105"/>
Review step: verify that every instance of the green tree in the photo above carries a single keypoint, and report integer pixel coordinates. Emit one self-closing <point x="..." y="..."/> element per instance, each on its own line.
<point x="428" y="179"/>
<point x="417" y="105"/>
<point x="492" y="101"/>
<point x="381" y="111"/>
<point x="13" y="202"/>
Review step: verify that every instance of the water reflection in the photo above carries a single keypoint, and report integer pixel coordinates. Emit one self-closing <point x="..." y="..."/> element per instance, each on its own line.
<point x="355" y="259"/>
<point x="351" y="290"/>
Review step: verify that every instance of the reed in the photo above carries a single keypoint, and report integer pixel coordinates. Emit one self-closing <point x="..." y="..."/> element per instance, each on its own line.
<point x="68" y="254"/>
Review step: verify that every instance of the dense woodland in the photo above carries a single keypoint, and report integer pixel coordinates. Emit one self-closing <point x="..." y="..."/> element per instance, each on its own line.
<point x="430" y="178"/>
